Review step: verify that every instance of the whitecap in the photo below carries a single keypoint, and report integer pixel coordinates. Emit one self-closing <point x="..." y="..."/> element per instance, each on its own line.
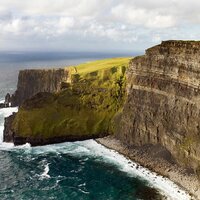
<point x="164" y="185"/>
<point x="5" y="112"/>
<point x="83" y="191"/>
<point x="46" y="171"/>
<point x="92" y="149"/>
<point x="24" y="146"/>
<point x="6" y="146"/>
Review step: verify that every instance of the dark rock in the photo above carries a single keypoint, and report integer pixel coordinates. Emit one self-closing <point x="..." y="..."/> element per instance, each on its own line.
<point x="2" y="105"/>
<point x="31" y="82"/>
<point x="148" y="193"/>
<point x="8" y="133"/>
<point x="7" y="102"/>
<point x="8" y="99"/>
<point x="42" y="141"/>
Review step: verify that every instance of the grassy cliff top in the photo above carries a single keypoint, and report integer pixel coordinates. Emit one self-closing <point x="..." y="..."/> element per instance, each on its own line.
<point x="97" y="65"/>
<point x="92" y="95"/>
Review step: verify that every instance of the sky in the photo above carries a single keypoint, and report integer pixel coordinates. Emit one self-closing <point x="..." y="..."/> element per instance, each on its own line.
<point x="95" y="25"/>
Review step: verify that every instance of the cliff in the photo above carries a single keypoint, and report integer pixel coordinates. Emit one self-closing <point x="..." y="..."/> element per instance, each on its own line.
<point x="31" y="82"/>
<point x="78" y="107"/>
<point x="163" y="102"/>
<point x="153" y="108"/>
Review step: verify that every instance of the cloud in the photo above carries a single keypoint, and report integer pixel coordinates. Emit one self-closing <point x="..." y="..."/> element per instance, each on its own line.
<point x="141" y="16"/>
<point x="122" y="23"/>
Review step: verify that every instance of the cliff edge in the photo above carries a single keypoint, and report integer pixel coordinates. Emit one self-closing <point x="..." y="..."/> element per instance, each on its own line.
<point x="163" y="101"/>
<point x="31" y="82"/>
<point x="75" y="103"/>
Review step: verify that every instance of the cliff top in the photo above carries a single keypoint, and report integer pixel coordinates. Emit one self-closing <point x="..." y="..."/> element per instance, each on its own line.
<point x="176" y="44"/>
<point x="87" y="67"/>
<point x="180" y="42"/>
<point x="97" y="65"/>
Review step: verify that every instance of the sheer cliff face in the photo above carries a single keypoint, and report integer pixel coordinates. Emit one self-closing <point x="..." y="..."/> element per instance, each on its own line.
<point x="163" y="102"/>
<point x="31" y="82"/>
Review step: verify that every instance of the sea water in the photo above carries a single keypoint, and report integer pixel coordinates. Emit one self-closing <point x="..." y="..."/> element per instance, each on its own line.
<point x="73" y="170"/>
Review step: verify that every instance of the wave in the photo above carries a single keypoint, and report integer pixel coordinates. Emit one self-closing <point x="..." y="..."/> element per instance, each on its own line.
<point x="164" y="185"/>
<point x="101" y="154"/>
<point x="46" y="171"/>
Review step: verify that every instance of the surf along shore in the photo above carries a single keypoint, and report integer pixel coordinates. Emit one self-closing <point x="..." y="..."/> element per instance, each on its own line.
<point x="155" y="162"/>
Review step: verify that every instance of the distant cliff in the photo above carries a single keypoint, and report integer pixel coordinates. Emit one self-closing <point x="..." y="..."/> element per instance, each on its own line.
<point x="163" y="101"/>
<point x="31" y="82"/>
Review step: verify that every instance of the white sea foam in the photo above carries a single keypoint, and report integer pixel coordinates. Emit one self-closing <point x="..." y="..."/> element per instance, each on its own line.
<point x="46" y="171"/>
<point x="101" y="154"/>
<point x="167" y="187"/>
<point x="5" y="112"/>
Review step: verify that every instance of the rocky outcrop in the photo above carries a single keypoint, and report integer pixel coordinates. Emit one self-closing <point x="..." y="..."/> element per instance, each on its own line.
<point x="78" y="107"/>
<point x="31" y="82"/>
<point x="163" y="101"/>
<point x="8" y="133"/>
<point x="7" y="102"/>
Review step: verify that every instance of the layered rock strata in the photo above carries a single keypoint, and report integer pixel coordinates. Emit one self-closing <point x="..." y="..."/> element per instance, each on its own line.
<point x="163" y="101"/>
<point x="31" y="82"/>
<point x="8" y="133"/>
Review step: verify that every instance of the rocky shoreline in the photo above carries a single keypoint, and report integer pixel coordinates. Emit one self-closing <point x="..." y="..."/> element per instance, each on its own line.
<point x="160" y="163"/>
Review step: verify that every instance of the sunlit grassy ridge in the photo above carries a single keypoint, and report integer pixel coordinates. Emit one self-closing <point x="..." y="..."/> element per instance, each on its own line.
<point x="100" y="65"/>
<point x="85" y="106"/>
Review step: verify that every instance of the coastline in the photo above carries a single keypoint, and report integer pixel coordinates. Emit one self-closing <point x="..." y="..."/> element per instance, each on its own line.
<point x="161" y="166"/>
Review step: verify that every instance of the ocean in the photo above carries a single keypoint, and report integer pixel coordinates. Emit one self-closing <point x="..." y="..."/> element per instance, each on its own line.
<point x="73" y="170"/>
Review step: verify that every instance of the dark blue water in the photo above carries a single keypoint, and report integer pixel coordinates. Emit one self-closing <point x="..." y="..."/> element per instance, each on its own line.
<point x="81" y="170"/>
<point x="68" y="171"/>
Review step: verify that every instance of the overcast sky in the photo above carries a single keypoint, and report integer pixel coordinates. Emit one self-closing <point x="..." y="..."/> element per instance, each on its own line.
<point x="96" y="25"/>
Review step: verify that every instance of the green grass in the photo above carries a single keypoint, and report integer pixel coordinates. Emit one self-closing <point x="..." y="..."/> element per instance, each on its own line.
<point x="86" y="106"/>
<point x="99" y="65"/>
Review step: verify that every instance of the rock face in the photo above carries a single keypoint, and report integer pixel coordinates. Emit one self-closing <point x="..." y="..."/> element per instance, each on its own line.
<point x="8" y="133"/>
<point x="163" y="101"/>
<point x="31" y="82"/>
<point x="7" y="102"/>
<point x="59" y="106"/>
